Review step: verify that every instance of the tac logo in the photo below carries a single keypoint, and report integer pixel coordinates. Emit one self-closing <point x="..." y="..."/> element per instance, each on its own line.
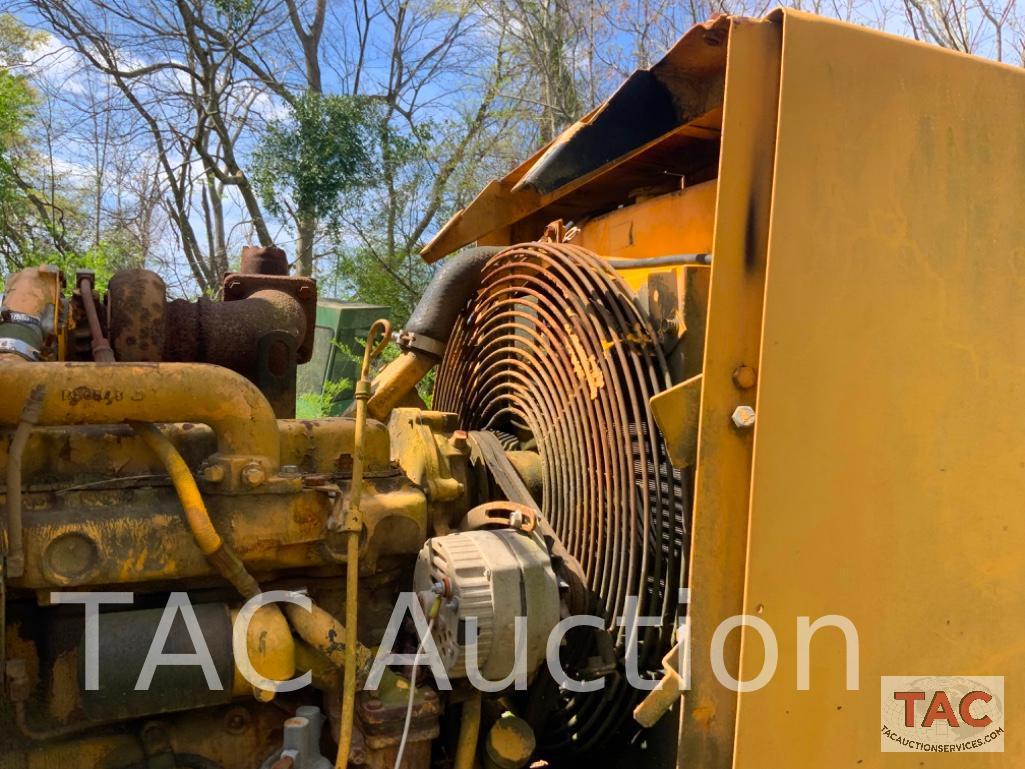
<point x="942" y="714"/>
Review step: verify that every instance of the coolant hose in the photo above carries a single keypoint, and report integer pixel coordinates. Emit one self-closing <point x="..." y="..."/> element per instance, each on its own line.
<point x="428" y="329"/>
<point x="448" y="292"/>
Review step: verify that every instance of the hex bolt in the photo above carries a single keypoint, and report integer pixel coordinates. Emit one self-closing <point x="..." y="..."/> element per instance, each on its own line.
<point x="213" y="473"/>
<point x="459" y="439"/>
<point x="744" y="377"/>
<point x="744" y="417"/>
<point x="253" y="475"/>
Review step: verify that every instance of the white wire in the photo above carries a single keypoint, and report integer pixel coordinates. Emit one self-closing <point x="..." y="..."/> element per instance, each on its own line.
<point x="412" y="696"/>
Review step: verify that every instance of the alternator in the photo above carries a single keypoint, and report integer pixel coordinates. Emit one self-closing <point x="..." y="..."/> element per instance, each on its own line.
<point x="495" y="576"/>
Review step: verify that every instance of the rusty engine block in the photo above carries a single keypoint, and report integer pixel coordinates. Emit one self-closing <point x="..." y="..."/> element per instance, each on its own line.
<point x="152" y="458"/>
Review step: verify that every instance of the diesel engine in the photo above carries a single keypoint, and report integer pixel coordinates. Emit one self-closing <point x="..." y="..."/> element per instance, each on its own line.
<point x="195" y="578"/>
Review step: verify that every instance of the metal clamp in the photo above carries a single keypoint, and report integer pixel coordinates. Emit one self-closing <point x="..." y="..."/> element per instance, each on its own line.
<point x="9" y="345"/>
<point x="21" y="319"/>
<point x="409" y="340"/>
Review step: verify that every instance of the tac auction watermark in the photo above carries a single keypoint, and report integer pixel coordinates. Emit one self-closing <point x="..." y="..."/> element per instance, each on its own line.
<point x="942" y="714"/>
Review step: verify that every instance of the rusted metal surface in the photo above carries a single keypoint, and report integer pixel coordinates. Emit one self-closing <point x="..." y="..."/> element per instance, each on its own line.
<point x="136" y="307"/>
<point x="101" y="351"/>
<point x="302" y="290"/>
<point x="554" y="351"/>
<point x="228" y="333"/>
<point x="259" y="260"/>
<point x="381" y="715"/>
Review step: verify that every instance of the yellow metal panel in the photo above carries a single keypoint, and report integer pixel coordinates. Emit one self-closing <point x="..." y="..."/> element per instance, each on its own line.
<point x="719" y="530"/>
<point x="889" y="472"/>
<point x="677" y="411"/>
<point x="675" y="223"/>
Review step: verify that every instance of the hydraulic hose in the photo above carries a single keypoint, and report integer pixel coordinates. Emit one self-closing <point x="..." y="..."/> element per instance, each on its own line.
<point x="29" y="417"/>
<point x="220" y="556"/>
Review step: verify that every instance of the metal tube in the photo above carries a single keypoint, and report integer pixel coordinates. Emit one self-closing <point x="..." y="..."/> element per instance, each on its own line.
<point x="29" y="418"/>
<point x="100" y="346"/>
<point x="469" y="732"/>
<point x="396" y="381"/>
<point x="673" y="260"/>
<point x="322" y="631"/>
<point x="377" y="339"/>
<point x="110" y="393"/>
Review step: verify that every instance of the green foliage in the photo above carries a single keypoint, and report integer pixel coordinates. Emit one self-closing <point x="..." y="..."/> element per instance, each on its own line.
<point x="324" y="150"/>
<point x="234" y="12"/>
<point x="15" y="39"/>
<point x="317" y="405"/>
<point x="16" y="106"/>
<point x="371" y="274"/>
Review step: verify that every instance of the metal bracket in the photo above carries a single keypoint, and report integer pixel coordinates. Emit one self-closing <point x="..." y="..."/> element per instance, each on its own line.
<point x="409" y="340"/>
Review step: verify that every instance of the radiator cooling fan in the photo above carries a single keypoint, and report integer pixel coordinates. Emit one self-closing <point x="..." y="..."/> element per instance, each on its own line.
<point x="554" y="351"/>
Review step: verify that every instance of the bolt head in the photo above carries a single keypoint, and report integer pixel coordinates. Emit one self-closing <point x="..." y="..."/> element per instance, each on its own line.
<point x="744" y="417"/>
<point x="253" y="475"/>
<point x="213" y="473"/>
<point x="459" y="440"/>
<point x="744" y="377"/>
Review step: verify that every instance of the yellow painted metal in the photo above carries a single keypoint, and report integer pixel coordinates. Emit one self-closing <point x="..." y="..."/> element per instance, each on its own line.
<point x="719" y="528"/>
<point x="397" y="381"/>
<point x="889" y="469"/>
<point x="352" y="525"/>
<point x="36" y="291"/>
<point x="109" y="393"/>
<point x="677" y="411"/>
<point x="271" y="649"/>
<point x="469" y="732"/>
<point x="675" y="223"/>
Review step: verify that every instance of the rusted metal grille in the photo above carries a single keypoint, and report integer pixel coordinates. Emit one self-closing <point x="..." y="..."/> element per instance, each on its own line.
<point x="554" y="350"/>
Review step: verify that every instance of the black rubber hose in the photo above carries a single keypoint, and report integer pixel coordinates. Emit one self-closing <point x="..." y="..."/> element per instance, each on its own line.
<point x="446" y="295"/>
